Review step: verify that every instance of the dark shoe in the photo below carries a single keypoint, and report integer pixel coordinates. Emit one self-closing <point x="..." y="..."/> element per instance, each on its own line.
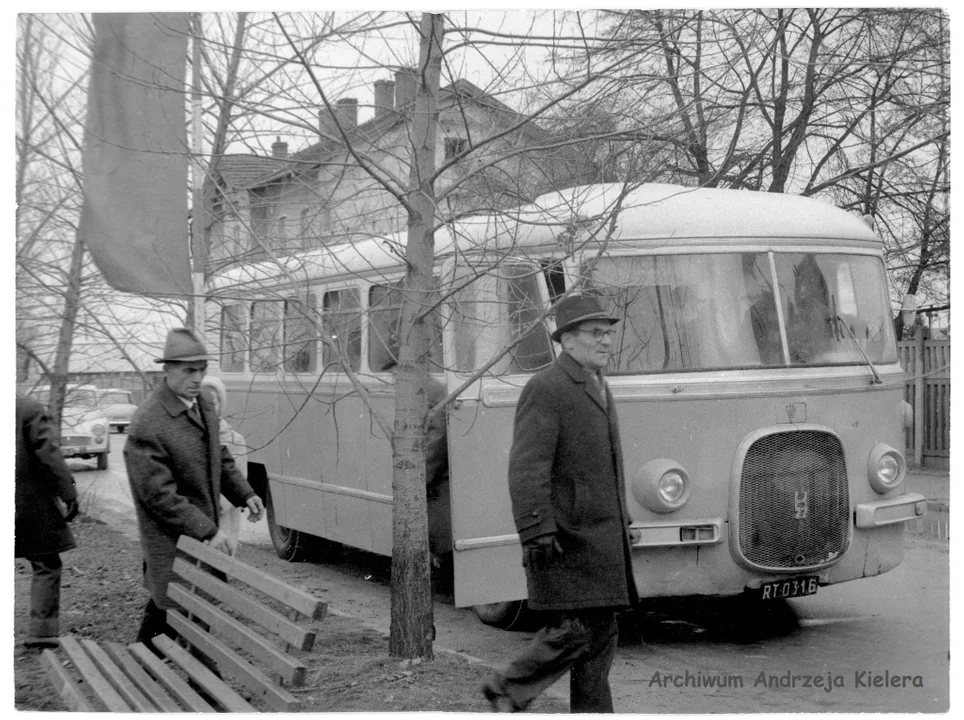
<point x="42" y="642"/>
<point x="499" y="702"/>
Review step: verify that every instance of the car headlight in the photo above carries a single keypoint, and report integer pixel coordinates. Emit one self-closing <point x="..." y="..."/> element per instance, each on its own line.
<point x="661" y="485"/>
<point x="886" y="468"/>
<point x="98" y="428"/>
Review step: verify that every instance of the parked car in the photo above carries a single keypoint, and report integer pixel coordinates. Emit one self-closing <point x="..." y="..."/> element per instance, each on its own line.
<point x="117" y="405"/>
<point x="84" y="427"/>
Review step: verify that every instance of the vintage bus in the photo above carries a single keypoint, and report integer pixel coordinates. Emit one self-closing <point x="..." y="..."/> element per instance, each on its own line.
<point x="755" y="372"/>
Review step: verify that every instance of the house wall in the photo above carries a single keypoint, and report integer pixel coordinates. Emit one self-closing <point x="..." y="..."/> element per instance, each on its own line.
<point x="340" y="200"/>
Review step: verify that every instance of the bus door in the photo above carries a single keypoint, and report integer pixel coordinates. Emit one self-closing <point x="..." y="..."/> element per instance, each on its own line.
<point x="489" y="310"/>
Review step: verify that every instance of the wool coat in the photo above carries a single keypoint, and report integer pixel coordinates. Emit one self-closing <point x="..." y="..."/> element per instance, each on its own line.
<point x="566" y="477"/>
<point x="41" y="477"/>
<point x="177" y="470"/>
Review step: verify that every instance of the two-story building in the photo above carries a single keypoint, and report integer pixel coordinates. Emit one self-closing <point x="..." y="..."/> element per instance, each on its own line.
<point x="492" y="158"/>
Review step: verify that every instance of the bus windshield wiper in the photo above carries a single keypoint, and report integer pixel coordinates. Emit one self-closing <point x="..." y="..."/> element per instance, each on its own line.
<point x="840" y="321"/>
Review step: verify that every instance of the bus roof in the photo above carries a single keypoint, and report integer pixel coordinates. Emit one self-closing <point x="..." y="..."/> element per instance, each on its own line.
<point x="651" y="212"/>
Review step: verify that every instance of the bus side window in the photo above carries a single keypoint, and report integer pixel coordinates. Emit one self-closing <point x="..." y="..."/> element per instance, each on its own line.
<point x="266" y="318"/>
<point x="301" y="347"/>
<point x="232" y="338"/>
<point x="384" y="316"/>
<point x="520" y="288"/>
<point x="342" y="317"/>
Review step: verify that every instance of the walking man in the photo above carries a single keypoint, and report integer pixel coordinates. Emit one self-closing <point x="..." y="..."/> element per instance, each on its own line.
<point x="40" y="528"/>
<point x="568" y="498"/>
<point x="178" y="468"/>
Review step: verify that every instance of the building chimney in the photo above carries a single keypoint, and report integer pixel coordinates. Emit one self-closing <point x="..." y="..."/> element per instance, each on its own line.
<point x="279" y="149"/>
<point x="406" y="81"/>
<point x="347" y="109"/>
<point x="384" y="97"/>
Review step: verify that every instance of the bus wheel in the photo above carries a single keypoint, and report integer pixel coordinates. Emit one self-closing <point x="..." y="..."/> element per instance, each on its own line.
<point x="512" y="615"/>
<point x="291" y="545"/>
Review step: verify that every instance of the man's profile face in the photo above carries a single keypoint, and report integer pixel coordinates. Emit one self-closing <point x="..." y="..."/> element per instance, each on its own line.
<point x="184" y="378"/>
<point x="590" y="344"/>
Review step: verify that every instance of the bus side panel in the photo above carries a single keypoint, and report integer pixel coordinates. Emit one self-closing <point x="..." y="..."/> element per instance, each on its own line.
<point x="487" y="555"/>
<point x="253" y="411"/>
<point x="379" y="471"/>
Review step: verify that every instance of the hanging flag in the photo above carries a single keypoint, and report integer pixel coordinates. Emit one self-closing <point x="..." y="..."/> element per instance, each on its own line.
<point x="135" y="160"/>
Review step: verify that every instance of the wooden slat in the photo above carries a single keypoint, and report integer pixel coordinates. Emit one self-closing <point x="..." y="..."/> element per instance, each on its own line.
<point x="296" y="599"/>
<point x="230" y="663"/>
<point x="292" y="633"/>
<point x="234" y="631"/>
<point x="116" y="674"/>
<point x="181" y="691"/>
<point x="99" y="685"/>
<point x="64" y="684"/>
<point x="138" y="675"/>
<point x="213" y="685"/>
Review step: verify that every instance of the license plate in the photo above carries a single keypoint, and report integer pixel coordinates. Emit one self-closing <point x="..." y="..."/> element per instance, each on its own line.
<point x="790" y="588"/>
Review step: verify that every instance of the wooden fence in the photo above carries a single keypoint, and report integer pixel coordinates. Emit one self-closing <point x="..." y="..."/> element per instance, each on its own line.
<point x="928" y="390"/>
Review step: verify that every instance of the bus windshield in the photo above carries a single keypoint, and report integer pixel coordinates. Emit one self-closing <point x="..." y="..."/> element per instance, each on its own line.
<point x="737" y="310"/>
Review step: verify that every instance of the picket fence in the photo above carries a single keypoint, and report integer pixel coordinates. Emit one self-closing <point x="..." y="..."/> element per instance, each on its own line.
<point x="928" y="390"/>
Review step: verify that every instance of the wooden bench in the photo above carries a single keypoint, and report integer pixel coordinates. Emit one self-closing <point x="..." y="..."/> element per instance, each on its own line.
<point x="250" y="625"/>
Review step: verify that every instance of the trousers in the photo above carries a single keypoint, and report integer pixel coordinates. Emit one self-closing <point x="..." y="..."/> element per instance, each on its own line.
<point x="582" y="642"/>
<point x="45" y="595"/>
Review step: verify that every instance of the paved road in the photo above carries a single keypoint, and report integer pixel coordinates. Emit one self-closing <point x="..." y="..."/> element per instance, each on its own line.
<point x="855" y="637"/>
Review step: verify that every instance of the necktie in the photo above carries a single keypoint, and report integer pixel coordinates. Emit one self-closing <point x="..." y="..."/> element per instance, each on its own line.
<point x="195" y="415"/>
<point x="600" y="384"/>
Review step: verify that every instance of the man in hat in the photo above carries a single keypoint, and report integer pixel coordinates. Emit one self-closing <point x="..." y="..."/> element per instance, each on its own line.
<point x="568" y="498"/>
<point x="40" y="527"/>
<point x="178" y="468"/>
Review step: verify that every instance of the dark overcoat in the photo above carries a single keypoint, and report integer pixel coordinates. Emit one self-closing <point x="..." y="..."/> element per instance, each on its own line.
<point x="41" y="477"/>
<point x="177" y="470"/>
<point x="566" y="477"/>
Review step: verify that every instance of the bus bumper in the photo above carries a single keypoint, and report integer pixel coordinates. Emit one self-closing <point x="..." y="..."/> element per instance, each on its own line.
<point x="890" y="511"/>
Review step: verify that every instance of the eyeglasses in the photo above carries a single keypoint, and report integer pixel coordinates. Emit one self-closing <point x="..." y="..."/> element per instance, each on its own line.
<point x="598" y="334"/>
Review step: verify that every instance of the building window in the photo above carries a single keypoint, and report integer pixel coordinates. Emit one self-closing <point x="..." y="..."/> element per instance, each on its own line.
<point x="455" y="147"/>
<point x="305" y="231"/>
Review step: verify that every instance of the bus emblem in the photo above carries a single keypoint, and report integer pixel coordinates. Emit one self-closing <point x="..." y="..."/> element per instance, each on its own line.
<point x="801" y="508"/>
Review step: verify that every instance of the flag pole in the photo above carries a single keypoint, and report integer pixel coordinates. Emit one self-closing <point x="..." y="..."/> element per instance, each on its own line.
<point x="196" y="299"/>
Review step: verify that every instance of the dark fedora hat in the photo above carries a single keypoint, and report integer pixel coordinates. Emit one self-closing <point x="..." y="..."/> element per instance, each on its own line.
<point x="183" y="345"/>
<point x="577" y="309"/>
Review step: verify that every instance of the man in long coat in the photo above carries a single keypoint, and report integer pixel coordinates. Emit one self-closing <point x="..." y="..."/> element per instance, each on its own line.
<point x="40" y="527"/>
<point x="178" y="468"/>
<point x="568" y="497"/>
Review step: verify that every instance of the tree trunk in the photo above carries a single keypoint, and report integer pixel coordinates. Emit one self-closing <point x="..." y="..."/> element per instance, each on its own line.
<point x="65" y="337"/>
<point x="412" y="619"/>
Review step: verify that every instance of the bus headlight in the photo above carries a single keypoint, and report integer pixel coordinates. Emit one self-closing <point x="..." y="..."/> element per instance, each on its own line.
<point x="98" y="428"/>
<point x="661" y="485"/>
<point x="886" y="468"/>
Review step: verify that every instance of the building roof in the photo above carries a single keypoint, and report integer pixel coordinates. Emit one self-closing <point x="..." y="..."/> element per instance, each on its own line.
<point x="320" y="152"/>
<point x="240" y="170"/>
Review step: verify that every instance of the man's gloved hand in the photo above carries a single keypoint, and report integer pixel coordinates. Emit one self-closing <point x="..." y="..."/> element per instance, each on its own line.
<point x="541" y="551"/>
<point x="71" y="509"/>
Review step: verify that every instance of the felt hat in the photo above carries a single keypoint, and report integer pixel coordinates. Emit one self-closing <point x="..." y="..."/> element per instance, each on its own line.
<point x="183" y="345"/>
<point x="577" y="309"/>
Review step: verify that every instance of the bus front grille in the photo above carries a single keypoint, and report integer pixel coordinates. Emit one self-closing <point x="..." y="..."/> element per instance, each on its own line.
<point x="794" y="503"/>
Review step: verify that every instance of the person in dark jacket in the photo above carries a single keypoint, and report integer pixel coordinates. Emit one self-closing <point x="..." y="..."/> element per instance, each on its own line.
<point x="567" y="488"/>
<point x="40" y="527"/>
<point x="178" y="468"/>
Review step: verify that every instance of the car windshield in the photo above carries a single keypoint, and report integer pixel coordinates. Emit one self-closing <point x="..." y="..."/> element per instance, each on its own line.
<point x="736" y="310"/>
<point x="115" y="398"/>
